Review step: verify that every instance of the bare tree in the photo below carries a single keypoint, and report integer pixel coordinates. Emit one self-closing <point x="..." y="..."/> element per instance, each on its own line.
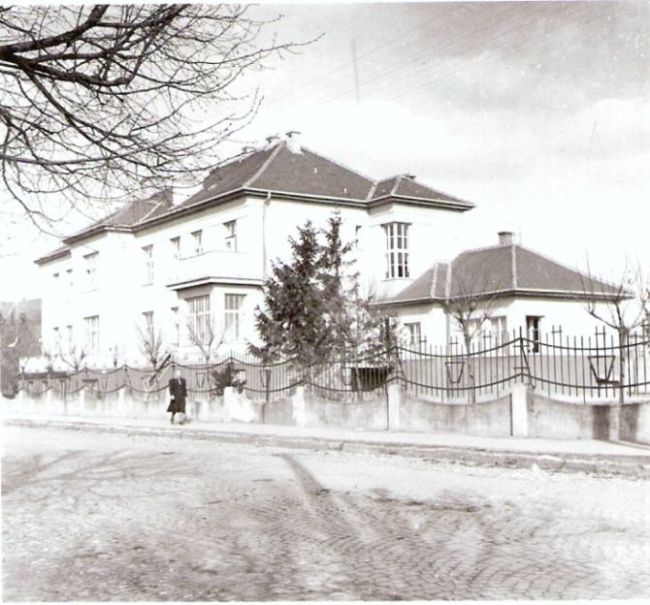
<point x="622" y="306"/>
<point x="206" y="337"/>
<point x="151" y="345"/>
<point x="470" y="305"/>
<point x="73" y="356"/>
<point x="108" y="100"/>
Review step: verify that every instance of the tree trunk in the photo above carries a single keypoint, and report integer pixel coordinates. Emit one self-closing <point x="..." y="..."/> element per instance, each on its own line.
<point x="470" y="369"/>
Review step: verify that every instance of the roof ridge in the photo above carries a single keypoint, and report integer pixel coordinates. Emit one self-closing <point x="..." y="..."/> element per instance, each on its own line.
<point x="450" y="268"/>
<point x="265" y="164"/>
<point x="371" y="193"/>
<point x="158" y="204"/>
<point x="513" y="265"/>
<point x="434" y="279"/>
<point x="395" y="185"/>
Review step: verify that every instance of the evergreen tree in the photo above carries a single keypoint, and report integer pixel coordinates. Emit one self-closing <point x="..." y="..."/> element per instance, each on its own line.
<point x="313" y="310"/>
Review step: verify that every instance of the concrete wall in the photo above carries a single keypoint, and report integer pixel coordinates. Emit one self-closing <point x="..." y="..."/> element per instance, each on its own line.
<point x="521" y="413"/>
<point x="490" y="418"/>
<point x="563" y="420"/>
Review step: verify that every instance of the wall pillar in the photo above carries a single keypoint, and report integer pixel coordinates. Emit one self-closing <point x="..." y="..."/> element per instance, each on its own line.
<point x="299" y="407"/>
<point x="394" y="404"/>
<point x="519" y="410"/>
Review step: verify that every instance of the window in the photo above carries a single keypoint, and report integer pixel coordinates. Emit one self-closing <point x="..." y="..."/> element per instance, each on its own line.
<point x="176" y="247"/>
<point x="91" y="262"/>
<point x="231" y="235"/>
<point x="57" y="338"/>
<point x="533" y="334"/>
<point x="197" y="237"/>
<point x="92" y="334"/>
<point x="414" y="332"/>
<point x="68" y="277"/>
<point x="176" y="326"/>
<point x="147" y="318"/>
<point x="56" y="276"/>
<point x="357" y="235"/>
<point x="397" y="256"/>
<point x="233" y="306"/>
<point x="148" y="264"/>
<point x="70" y="336"/>
<point x="199" y="318"/>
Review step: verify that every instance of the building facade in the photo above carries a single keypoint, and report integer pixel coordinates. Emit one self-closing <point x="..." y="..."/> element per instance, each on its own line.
<point x="189" y="276"/>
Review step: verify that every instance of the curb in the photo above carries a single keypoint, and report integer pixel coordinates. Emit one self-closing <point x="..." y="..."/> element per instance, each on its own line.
<point x="630" y="466"/>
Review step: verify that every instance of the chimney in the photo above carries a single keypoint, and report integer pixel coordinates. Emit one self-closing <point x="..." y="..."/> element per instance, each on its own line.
<point x="293" y="141"/>
<point x="505" y="238"/>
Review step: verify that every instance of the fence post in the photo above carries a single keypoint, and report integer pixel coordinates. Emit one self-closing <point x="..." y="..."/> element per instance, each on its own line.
<point x="519" y="397"/>
<point x="299" y="407"/>
<point x="394" y="404"/>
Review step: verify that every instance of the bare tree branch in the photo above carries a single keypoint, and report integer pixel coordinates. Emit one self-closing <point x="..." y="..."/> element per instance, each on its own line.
<point x="111" y="101"/>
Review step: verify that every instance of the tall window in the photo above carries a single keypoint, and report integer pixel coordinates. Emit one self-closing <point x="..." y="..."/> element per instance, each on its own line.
<point x="176" y="247"/>
<point x="70" y="337"/>
<point x="176" y="326"/>
<point x="92" y="333"/>
<point x="397" y="256"/>
<point x="91" y="262"/>
<point x="68" y="277"/>
<point x="414" y="332"/>
<point x="197" y="237"/>
<point x="233" y="319"/>
<point x="147" y="251"/>
<point x="533" y="325"/>
<point x="199" y="317"/>
<point x="57" y="339"/>
<point x="230" y="229"/>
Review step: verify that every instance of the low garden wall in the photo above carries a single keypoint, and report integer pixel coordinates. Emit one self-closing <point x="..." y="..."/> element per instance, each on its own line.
<point x="555" y="419"/>
<point x="521" y="413"/>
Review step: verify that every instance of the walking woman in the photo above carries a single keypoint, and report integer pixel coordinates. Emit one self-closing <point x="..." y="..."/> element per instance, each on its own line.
<point x="178" y="395"/>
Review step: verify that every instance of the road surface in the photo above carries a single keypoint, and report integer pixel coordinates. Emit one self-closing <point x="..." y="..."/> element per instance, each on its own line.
<point x="96" y="516"/>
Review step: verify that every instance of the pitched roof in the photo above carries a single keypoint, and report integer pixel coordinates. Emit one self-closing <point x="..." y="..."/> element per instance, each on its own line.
<point x="129" y="215"/>
<point x="501" y="270"/>
<point x="405" y="185"/>
<point x="121" y="219"/>
<point x="285" y="170"/>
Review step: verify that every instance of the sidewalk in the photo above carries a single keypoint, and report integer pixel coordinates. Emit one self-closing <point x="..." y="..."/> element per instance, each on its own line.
<point x="579" y="455"/>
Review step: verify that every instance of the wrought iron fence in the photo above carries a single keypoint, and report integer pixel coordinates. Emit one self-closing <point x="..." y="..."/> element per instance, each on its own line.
<point x="584" y="368"/>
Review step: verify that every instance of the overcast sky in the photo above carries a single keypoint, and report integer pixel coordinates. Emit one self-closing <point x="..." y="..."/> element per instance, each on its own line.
<point x="539" y="113"/>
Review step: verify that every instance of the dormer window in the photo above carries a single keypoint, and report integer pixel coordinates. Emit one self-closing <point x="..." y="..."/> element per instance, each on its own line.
<point x="397" y="255"/>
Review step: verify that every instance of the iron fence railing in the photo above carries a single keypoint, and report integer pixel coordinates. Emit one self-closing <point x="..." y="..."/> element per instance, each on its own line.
<point x="585" y="368"/>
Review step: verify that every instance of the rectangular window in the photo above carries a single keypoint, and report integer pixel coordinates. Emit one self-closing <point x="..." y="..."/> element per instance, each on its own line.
<point x="57" y="339"/>
<point x="414" y="331"/>
<point x="147" y="251"/>
<point x="230" y="229"/>
<point x="70" y="336"/>
<point x="176" y="247"/>
<point x="197" y="237"/>
<point x="233" y="319"/>
<point x="147" y="318"/>
<point x="533" y="333"/>
<point x="91" y="263"/>
<point x="176" y="327"/>
<point x="397" y="255"/>
<point x="68" y="276"/>
<point x="199" y="318"/>
<point x="92" y="334"/>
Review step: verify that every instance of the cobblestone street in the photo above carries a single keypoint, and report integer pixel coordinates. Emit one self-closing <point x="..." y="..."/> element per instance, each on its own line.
<point x="90" y="516"/>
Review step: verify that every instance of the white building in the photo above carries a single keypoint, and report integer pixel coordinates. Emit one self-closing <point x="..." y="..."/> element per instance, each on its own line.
<point x="158" y="268"/>
<point x="201" y="263"/>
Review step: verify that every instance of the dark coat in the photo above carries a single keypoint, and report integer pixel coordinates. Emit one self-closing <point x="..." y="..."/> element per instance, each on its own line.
<point x="178" y="392"/>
